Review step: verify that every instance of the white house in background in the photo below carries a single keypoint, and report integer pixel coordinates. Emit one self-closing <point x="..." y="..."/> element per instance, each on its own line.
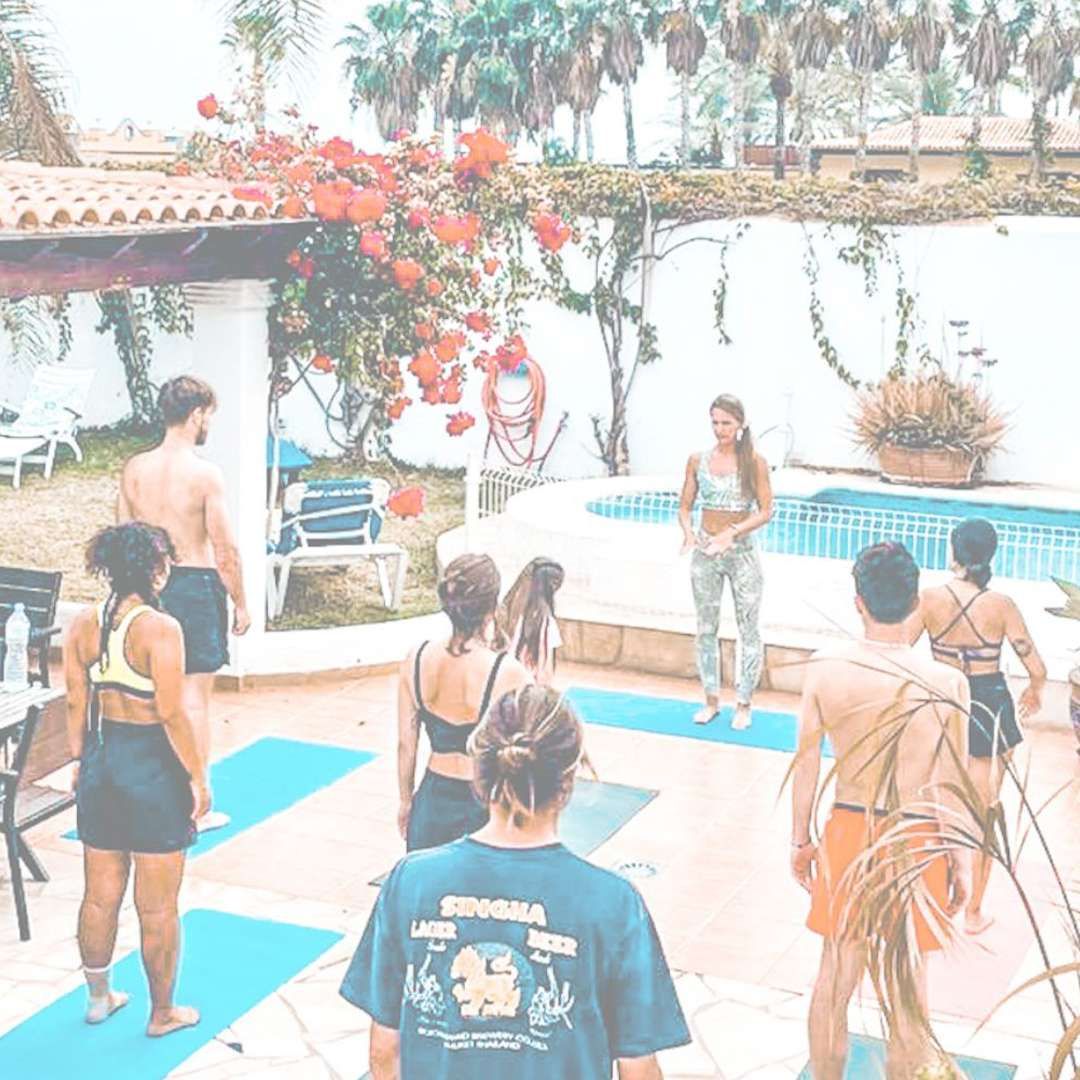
<point x="943" y="142"/>
<point x="128" y="144"/>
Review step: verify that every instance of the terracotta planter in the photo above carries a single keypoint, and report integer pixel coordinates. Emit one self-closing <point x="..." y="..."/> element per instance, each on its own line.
<point x="929" y="468"/>
<point x="1074" y="702"/>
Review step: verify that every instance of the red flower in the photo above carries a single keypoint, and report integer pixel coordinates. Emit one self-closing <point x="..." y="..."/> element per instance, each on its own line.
<point x="182" y="168"/>
<point x="208" y="107"/>
<point x="449" y="346"/>
<point x="294" y="259"/>
<point x="293" y="207"/>
<point x="366" y="205"/>
<point x="434" y="286"/>
<point x="397" y="407"/>
<point x="424" y="331"/>
<point x="406" y="502"/>
<point x="431" y="394"/>
<point x="456" y="230"/>
<point x="425" y="367"/>
<point x="306" y="269"/>
<point x="330" y="200"/>
<point x="418" y="218"/>
<point x="323" y="363"/>
<point x="474" y="279"/>
<point x="422" y="158"/>
<point x="512" y="353"/>
<point x="491" y="267"/>
<point x="407" y="272"/>
<point x="551" y="231"/>
<point x="299" y="175"/>
<point x="339" y="152"/>
<point x="251" y="193"/>
<point x="484" y="152"/>
<point x="478" y="321"/>
<point x="373" y="244"/>
<point x="451" y="388"/>
<point x="460" y="422"/>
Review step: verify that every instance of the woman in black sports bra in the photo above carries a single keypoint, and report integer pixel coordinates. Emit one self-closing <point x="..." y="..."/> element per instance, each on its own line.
<point x="446" y="687"/>
<point x="967" y="624"/>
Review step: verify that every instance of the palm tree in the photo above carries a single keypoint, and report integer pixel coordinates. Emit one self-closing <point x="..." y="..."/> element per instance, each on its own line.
<point x="381" y="66"/>
<point x="924" y="35"/>
<point x="684" y="40"/>
<point x="1048" y="60"/>
<point x="31" y="88"/>
<point x="988" y="53"/>
<point x="742" y="35"/>
<point x="624" y="52"/>
<point x="290" y="30"/>
<point x="581" y="67"/>
<point x="538" y="53"/>
<point x="814" y="37"/>
<point x="258" y="60"/>
<point x="869" y="38"/>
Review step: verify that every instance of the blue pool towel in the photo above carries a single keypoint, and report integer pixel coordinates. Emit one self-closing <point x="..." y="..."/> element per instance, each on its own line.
<point x="866" y="1061"/>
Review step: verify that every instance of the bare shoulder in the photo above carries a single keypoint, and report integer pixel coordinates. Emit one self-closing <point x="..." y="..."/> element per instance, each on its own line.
<point x="693" y="461"/>
<point x="208" y="474"/>
<point x="760" y="463"/>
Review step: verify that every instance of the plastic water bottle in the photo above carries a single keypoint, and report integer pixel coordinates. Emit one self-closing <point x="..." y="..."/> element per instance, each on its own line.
<point x="16" y="647"/>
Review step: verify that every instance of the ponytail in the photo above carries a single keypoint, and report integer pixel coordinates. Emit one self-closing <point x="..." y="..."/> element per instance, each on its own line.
<point x="745" y="457"/>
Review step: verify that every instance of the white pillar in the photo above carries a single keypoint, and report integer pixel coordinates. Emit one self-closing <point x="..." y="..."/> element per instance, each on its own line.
<point x="231" y="353"/>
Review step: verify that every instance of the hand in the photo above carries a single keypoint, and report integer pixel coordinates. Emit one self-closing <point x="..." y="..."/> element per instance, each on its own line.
<point x="241" y="622"/>
<point x="958" y="887"/>
<point x="1030" y="701"/>
<point x="720" y="543"/>
<point x="802" y="865"/>
<point x="404" y="811"/>
<point x="200" y="796"/>
<point x="688" y="544"/>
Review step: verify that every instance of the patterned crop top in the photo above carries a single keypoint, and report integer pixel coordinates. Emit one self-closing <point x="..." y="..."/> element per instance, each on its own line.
<point x="720" y="492"/>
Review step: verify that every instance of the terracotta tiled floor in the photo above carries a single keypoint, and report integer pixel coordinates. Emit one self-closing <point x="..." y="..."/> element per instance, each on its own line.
<point x="730" y="917"/>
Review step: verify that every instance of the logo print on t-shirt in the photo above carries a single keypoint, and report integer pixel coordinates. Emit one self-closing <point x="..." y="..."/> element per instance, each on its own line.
<point x="489" y="980"/>
<point x="423" y="992"/>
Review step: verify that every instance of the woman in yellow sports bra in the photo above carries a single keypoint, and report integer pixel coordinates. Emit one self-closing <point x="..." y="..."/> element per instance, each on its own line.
<point x="729" y="484"/>
<point x="140" y="782"/>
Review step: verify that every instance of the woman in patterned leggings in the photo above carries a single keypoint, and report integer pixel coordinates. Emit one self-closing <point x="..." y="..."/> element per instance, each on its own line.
<point x="729" y="483"/>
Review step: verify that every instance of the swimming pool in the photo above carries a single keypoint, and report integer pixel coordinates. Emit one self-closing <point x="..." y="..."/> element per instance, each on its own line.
<point x="1035" y="542"/>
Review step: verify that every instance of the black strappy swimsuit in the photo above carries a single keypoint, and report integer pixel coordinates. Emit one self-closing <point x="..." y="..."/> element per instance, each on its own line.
<point x="447" y="737"/>
<point x="992" y="727"/>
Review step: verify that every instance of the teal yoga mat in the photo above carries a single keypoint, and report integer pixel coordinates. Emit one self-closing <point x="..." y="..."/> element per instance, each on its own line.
<point x="668" y="716"/>
<point x="268" y="776"/>
<point x="596" y="813"/>
<point x="866" y="1061"/>
<point x="228" y="965"/>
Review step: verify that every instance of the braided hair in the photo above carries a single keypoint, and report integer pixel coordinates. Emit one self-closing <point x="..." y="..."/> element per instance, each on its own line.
<point x="469" y="594"/>
<point x="974" y="543"/>
<point x="525" y="752"/>
<point x="531" y="603"/>
<point x="130" y="557"/>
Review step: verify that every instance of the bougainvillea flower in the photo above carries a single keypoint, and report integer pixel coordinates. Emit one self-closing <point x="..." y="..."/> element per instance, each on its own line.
<point x="483" y="360"/>
<point x="323" y="363"/>
<point x="484" y="152"/>
<point x="406" y="502"/>
<point x="456" y="230"/>
<point x="422" y="158"/>
<point x="424" y="331"/>
<point x="366" y="205"/>
<point x="491" y="267"/>
<point x="299" y="175"/>
<point x="373" y="244"/>
<point x="397" y="407"/>
<point x="182" y="168"/>
<point x="474" y="279"/>
<point x="478" y="321"/>
<point x="293" y="207"/>
<point x="294" y="258"/>
<point x="306" y="269"/>
<point x="425" y="367"/>
<point x="449" y="346"/>
<point x="551" y="231"/>
<point x="407" y="272"/>
<point x="451" y="388"/>
<point x="417" y="218"/>
<point x="511" y="354"/>
<point x="339" y="152"/>
<point x="434" y="286"/>
<point x="431" y="394"/>
<point x="459" y="422"/>
<point x="385" y="176"/>
<point x="330" y="201"/>
<point x="208" y="107"/>
<point x="251" y="193"/>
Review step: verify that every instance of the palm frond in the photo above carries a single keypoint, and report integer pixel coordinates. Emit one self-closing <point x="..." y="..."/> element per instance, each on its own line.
<point x="31" y="329"/>
<point x="290" y="30"/>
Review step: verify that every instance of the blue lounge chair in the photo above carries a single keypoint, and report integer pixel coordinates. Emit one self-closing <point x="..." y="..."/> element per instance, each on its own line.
<point x="334" y="523"/>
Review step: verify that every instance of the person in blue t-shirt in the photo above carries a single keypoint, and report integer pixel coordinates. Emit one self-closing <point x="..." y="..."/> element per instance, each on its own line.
<point x="503" y="955"/>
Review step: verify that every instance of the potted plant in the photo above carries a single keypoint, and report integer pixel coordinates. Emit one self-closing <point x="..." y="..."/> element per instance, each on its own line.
<point x="928" y="427"/>
<point x="1071" y="610"/>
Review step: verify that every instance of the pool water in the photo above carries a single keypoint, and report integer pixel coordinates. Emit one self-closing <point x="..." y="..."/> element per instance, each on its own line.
<point x="1034" y="543"/>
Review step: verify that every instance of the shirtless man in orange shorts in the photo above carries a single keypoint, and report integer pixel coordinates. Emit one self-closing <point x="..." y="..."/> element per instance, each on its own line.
<point x="867" y="696"/>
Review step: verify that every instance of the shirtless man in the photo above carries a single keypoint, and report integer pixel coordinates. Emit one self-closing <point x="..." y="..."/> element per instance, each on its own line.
<point x="173" y="488"/>
<point x="863" y="695"/>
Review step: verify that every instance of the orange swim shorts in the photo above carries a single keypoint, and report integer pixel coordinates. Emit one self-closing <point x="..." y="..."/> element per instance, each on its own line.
<point x="848" y="833"/>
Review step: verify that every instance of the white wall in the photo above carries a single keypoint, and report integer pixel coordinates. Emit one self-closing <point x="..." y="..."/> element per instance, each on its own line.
<point x="1018" y="292"/>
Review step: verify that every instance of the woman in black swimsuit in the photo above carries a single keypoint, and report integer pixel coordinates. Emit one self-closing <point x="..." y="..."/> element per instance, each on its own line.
<point x="446" y="687"/>
<point x="967" y="624"/>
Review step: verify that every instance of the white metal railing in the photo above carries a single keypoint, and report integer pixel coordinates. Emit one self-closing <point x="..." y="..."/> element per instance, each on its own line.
<point x="488" y="488"/>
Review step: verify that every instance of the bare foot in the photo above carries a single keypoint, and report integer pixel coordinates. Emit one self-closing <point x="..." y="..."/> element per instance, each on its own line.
<point x="705" y="714"/>
<point x="100" y="1009"/>
<point x="976" y="922"/>
<point x="166" y="1021"/>
<point x="212" y="819"/>
<point x="741" y="720"/>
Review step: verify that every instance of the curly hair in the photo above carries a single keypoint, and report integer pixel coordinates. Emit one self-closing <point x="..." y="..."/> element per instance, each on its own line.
<point x="887" y="581"/>
<point x="469" y="594"/>
<point x="130" y="557"/>
<point x="526" y="750"/>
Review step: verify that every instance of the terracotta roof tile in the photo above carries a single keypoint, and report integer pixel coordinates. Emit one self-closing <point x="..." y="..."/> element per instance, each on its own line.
<point x="38" y="198"/>
<point x="1003" y="134"/>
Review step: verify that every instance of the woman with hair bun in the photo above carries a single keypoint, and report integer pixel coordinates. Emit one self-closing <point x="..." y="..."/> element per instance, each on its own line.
<point x="504" y="954"/>
<point x="140" y="781"/>
<point x="729" y="484"/>
<point x="967" y="623"/>
<point x="446" y="687"/>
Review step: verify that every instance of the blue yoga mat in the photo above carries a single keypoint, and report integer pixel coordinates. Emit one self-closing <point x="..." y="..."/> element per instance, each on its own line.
<point x="269" y="776"/>
<point x="668" y="716"/>
<point x="866" y="1061"/>
<point x="596" y="812"/>
<point x="228" y="965"/>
